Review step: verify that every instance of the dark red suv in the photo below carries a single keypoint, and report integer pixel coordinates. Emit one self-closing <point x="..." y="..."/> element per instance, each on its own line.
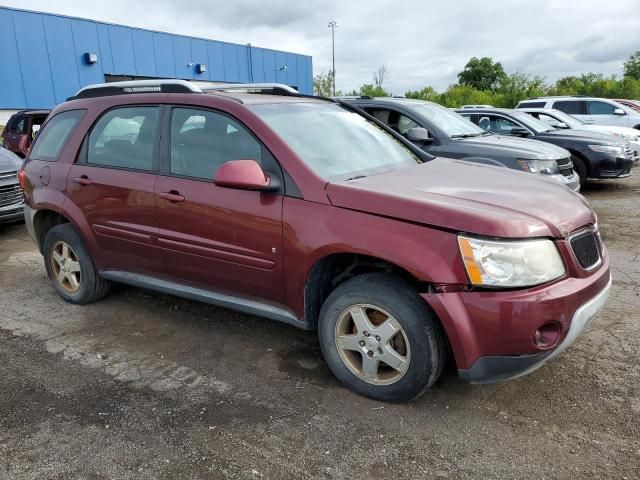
<point x="21" y="129"/>
<point x="307" y="211"/>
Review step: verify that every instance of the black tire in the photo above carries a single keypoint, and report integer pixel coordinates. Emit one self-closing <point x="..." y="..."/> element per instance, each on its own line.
<point x="580" y="168"/>
<point x="422" y="329"/>
<point x="92" y="286"/>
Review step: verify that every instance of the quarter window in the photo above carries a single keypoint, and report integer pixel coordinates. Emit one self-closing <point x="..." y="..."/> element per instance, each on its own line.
<point x="55" y="134"/>
<point x="202" y="140"/>
<point x="125" y="138"/>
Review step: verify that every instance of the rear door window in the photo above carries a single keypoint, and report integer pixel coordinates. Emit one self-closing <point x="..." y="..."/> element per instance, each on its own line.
<point x="124" y="138"/>
<point x="55" y="134"/>
<point x="572" y="107"/>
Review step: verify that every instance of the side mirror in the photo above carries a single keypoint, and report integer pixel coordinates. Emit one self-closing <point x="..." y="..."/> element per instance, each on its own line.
<point x="520" y="131"/>
<point x="419" y="135"/>
<point x="245" y="175"/>
<point x="561" y="125"/>
<point x="619" y="111"/>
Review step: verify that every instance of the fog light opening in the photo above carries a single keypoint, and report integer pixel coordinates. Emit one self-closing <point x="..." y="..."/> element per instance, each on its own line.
<point x="547" y="335"/>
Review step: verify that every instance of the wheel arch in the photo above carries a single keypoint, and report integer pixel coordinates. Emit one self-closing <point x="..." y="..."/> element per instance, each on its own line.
<point x="333" y="269"/>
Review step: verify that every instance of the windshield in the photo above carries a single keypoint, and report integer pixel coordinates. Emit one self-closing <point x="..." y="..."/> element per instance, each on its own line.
<point x="452" y="124"/>
<point x="533" y="123"/>
<point x="334" y="142"/>
<point x="570" y="121"/>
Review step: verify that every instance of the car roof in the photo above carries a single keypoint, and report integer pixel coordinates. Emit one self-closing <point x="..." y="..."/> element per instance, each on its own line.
<point x="472" y="111"/>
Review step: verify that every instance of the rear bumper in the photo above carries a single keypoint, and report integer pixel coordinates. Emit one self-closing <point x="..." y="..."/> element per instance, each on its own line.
<point x="499" y="368"/>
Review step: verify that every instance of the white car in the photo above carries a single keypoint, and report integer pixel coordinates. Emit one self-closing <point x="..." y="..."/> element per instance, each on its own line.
<point x="593" y="111"/>
<point x="558" y="119"/>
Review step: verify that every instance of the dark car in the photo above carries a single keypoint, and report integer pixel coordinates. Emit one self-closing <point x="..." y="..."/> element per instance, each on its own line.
<point x="453" y="136"/>
<point x="302" y="210"/>
<point x="21" y="129"/>
<point x="593" y="155"/>
<point x="11" y="200"/>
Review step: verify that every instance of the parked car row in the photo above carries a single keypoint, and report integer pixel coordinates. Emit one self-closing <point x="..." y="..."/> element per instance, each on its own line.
<point x="313" y="212"/>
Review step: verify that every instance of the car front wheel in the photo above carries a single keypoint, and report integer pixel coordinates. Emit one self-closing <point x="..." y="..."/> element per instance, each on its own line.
<point x="380" y="339"/>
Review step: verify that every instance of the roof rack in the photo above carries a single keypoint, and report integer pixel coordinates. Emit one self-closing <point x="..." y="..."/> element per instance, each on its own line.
<point x="136" y="86"/>
<point x="267" y="88"/>
<point x="353" y="97"/>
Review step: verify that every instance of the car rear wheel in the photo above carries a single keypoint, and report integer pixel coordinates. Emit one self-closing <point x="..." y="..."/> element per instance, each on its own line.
<point x="380" y="339"/>
<point x="580" y="168"/>
<point x="70" y="268"/>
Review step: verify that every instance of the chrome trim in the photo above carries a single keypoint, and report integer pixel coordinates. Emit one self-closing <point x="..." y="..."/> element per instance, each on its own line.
<point x="599" y="247"/>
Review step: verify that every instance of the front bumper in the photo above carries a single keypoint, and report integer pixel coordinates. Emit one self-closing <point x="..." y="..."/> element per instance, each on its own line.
<point x="11" y="213"/>
<point x="492" y="333"/>
<point x="499" y="368"/>
<point x="572" y="181"/>
<point x="611" y="166"/>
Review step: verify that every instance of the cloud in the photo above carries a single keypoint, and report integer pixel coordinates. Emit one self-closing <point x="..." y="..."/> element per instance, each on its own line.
<point x="421" y="43"/>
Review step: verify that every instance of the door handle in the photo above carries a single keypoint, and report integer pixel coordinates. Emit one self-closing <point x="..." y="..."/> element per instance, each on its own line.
<point x="83" y="180"/>
<point x="172" y="196"/>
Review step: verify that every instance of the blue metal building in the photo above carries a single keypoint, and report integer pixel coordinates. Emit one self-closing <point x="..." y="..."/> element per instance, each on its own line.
<point x="47" y="58"/>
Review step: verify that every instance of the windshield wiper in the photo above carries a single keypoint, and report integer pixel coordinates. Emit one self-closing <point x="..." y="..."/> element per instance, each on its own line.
<point x="355" y="178"/>
<point x="466" y="135"/>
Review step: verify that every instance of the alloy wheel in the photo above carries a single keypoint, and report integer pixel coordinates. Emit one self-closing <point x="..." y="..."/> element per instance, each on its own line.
<point x="65" y="266"/>
<point x="372" y="344"/>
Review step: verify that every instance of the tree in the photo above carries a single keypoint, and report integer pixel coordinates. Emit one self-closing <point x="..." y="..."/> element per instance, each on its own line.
<point x="369" y="90"/>
<point x="632" y="66"/>
<point x="482" y="74"/>
<point x="378" y="75"/>
<point x="518" y="86"/>
<point x="323" y="84"/>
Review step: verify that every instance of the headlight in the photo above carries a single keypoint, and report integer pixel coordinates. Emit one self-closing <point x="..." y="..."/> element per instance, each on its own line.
<point x="616" y="150"/>
<point x="510" y="263"/>
<point x="540" y="166"/>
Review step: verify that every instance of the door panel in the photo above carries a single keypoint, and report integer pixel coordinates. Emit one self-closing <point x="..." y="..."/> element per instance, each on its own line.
<point x="218" y="238"/>
<point x="222" y="238"/>
<point x="120" y="208"/>
<point x="114" y="186"/>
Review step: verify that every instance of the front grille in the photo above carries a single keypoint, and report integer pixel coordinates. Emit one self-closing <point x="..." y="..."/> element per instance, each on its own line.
<point x="628" y="151"/>
<point x="5" y="175"/>
<point x="565" y="166"/>
<point x="585" y="248"/>
<point x="10" y="195"/>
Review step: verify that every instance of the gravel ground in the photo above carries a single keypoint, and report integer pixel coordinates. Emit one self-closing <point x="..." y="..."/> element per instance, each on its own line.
<point x="142" y="385"/>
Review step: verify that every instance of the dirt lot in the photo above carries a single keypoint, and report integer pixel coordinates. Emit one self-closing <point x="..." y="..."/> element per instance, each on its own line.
<point x="142" y="385"/>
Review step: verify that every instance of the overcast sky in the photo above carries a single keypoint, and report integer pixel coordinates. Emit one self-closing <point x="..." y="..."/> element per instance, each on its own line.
<point x="421" y="42"/>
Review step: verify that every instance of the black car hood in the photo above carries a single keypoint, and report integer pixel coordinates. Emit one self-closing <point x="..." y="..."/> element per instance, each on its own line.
<point x="515" y="146"/>
<point x="9" y="162"/>
<point x="573" y="135"/>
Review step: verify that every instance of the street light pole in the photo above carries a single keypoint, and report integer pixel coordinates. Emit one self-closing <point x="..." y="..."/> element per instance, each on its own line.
<point x="333" y="24"/>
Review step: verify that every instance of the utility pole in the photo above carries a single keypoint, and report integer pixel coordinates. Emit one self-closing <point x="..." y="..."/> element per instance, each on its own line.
<point x="333" y="24"/>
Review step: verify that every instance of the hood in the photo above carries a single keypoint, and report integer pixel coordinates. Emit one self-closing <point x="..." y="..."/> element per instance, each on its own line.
<point x="587" y="136"/>
<point x="630" y="132"/>
<point x="468" y="197"/>
<point x="9" y="162"/>
<point x="514" y="146"/>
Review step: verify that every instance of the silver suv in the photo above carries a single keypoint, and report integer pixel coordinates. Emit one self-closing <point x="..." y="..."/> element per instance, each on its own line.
<point x="591" y="110"/>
